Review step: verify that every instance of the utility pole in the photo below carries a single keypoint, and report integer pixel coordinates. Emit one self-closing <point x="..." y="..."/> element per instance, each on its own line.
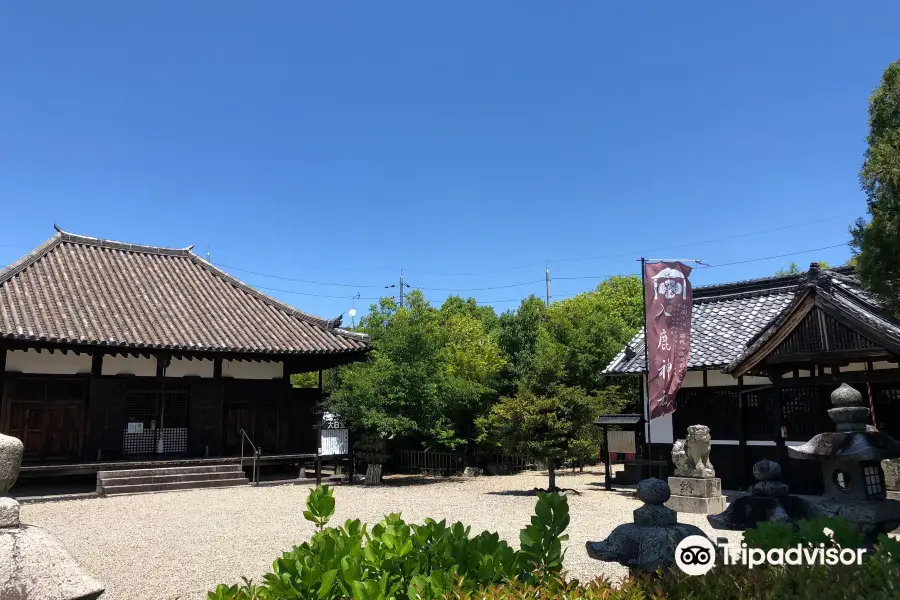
<point x="547" y="276"/>
<point x="402" y="285"/>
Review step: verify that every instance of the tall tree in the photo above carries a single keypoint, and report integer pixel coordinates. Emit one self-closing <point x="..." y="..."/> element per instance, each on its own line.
<point x="519" y="333"/>
<point x="429" y="375"/>
<point x="876" y="243"/>
<point x="542" y="427"/>
<point x="592" y="327"/>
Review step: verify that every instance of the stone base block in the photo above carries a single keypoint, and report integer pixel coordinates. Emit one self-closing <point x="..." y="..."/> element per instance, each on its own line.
<point x="696" y="487"/>
<point x="700" y="506"/>
<point x="9" y="512"/>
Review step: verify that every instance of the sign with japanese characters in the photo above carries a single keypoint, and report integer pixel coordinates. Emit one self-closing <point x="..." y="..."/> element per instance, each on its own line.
<point x="669" y="305"/>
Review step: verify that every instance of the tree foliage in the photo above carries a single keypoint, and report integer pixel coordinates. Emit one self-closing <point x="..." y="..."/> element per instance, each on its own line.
<point x="426" y="367"/>
<point x="794" y="269"/>
<point x="544" y="427"/>
<point x="436" y="375"/>
<point x="876" y="243"/>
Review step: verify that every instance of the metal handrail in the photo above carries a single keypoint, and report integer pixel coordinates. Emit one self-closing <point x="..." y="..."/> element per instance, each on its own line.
<point x="254" y="477"/>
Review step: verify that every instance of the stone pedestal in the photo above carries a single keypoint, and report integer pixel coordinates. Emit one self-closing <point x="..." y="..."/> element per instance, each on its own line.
<point x="699" y="495"/>
<point x="34" y="565"/>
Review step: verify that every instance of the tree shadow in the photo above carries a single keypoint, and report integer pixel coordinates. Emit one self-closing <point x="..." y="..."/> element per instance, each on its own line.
<point x="534" y="492"/>
<point x="417" y="480"/>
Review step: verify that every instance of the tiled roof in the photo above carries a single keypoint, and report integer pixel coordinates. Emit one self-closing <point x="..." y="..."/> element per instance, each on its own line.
<point x="840" y="289"/>
<point x="729" y="317"/>
<point x="80" y="290"/>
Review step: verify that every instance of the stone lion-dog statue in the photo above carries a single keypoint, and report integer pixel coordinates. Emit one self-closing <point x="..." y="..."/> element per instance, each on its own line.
<point x="691" y="456"/>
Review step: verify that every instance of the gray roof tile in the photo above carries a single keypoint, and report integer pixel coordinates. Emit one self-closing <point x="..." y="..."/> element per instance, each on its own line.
<point x="80" y="290"/>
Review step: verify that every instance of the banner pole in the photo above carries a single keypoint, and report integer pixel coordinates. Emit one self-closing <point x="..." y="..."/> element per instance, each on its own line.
<point x="646" y="382"/>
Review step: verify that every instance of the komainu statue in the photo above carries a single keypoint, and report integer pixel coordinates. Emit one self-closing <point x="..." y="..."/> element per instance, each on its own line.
<point x="691" y="457"/>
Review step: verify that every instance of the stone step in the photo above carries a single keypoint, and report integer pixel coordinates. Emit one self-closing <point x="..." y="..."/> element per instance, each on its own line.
<point x="150" y="472"/>
<point x="110" y="490"/>
<point x="140" y="478"/>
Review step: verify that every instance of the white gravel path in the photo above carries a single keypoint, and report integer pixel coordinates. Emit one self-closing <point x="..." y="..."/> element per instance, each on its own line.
<point x="180" y="544"/>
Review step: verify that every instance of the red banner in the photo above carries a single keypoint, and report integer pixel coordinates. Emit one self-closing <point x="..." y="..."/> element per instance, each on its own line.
<point x="669" y="302"/>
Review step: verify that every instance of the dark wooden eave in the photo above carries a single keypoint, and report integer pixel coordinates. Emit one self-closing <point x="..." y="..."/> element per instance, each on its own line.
<point x="812" y="307"/>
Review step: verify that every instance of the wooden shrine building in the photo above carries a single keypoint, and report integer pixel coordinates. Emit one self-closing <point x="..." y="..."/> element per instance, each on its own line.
<point x="119" y="352"/>
<point x="765" y="355"/>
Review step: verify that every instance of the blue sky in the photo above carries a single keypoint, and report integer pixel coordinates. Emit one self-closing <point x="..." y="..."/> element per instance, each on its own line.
<point x="341" y="142"/>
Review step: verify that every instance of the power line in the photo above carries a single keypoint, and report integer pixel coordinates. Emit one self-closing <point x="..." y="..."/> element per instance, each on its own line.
<point x="637" y="253"/>
<point x="740" y="262"/>
<point x="295" y="279"/>
<point x="743" y="262"/>
<point x="595" y="277"/>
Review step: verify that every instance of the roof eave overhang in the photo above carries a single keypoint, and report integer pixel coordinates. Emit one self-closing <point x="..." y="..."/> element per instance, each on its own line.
<point x="756" y="355"/>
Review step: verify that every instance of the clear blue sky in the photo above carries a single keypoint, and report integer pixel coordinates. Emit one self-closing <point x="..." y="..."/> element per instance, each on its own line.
<point x="339" y="142"/>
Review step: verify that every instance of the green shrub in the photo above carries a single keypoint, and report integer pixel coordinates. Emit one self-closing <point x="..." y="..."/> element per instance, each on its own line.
<point x="821" y="530"/>
<point x="431" y="561"/>
<point x="401" y="560"/>
<point x="877" y="579"/>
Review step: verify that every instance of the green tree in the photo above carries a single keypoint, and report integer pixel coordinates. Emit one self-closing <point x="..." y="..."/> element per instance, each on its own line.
<point x="429" y="375"/>
<point x="542" y="427"/>
<point x="794" y="269"/>
<point x="592" y="327"/>
<point x="519" y="332"/>
<point x="396" y="391"/>
<point x="876" y="243"/>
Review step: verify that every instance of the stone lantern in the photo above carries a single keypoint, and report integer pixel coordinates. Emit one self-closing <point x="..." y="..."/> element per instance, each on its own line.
<point x="851" y="465"/>
<point x="33" y="564"/>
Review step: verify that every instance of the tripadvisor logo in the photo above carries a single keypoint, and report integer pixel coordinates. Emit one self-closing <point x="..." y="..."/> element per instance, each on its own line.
<point x="696" y="555"/>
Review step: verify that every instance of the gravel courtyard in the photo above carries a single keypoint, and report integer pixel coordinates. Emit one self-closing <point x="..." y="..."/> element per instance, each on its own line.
<point x="180" y="544"/>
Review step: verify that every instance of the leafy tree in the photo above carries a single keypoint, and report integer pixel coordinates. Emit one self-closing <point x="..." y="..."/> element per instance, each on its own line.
<point x="877" y="243"/>
<point x="541" y="427"/>
<point x="397" y="391"/>
<point x="429" y="375"/>
<point x="519" y="332"/>
<point x="592" y="327"/>
<point x="793" y="269"/>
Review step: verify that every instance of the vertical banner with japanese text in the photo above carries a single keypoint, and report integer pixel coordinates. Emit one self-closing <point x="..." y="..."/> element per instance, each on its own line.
<point x="669" y="306"/>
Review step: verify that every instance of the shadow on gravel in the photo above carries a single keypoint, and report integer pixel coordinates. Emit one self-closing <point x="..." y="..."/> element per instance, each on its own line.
<point x="418" y="480"/>
<point x="534" y="492"/>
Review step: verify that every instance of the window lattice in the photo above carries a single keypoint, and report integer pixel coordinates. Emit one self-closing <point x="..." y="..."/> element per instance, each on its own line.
<point x="142" y="434"/>
<point x="759" y="422"/>
<point x="717" y="408"/>
<point x="798" y="411"/>
<point x="874" y="479"/>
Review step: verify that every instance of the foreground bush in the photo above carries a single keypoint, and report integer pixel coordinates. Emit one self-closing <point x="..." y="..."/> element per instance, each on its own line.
<point x="401" y="560"/>
<point x="397" y="560"/>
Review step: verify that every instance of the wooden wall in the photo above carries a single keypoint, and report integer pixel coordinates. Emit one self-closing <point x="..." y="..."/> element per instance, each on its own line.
<point x="82" y="417"/>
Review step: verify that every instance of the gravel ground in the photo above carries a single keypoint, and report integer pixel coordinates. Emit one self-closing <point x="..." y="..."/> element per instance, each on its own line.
<point x="181" y="544"/>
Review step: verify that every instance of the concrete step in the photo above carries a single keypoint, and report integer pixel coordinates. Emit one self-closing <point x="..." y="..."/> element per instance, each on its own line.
<point x="151" y="472"/>
<point x="110" y="490"/>
<point x="140" y="478"/>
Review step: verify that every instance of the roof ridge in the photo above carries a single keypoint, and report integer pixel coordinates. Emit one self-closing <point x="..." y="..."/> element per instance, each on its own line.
<point x="74" y="238"/>
<point x="29" y="259"/>
<point x="61" y="236"/>
<point x="764" y="284"/>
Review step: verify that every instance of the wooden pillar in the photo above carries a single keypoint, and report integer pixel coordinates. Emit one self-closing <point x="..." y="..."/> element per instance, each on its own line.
<point x="3" y="395"/>
<point x="608" y="469"/>
<point x="96" y="372"/>
<point x="781" y="453"/>
<point x="742" y="435"/>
